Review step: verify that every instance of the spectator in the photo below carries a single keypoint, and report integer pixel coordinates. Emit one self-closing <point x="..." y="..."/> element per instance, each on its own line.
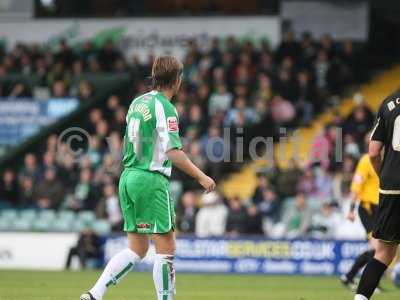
<point x="253" y="222"/>
<point x="288" y="179"/>
<point x="20" y="91"/>
<point x="108" y="167"/>
<point x="282" y="111"/>
<point x="94" y="151"/>
<point x="9" y="192"/>
<point x="359" y="122"/>
<point x="58" y="73"/>
<point x="213" y="150"/>
<point x="269" y="206"/>
<point x="49" y="192"/>
<point x="236" y="220"/>
<point x="308" y="51"/>
<point x="321" y="68"/>
<point x="325" y="223"/>
<point x="68" y="172"/>
<point x="108" y="55"/>
<point x="87" y="247"/>
<point x="49" y="160"/>
<point x="262" y="185"/>
<point x="186" y="214"/>
<point x="109" y="208"/>
<point x="65" y="55"/>
<point x="285" y="85"/>
<point x="326" y="44"/>
<point x="196" y="156"/>
<point x="288" y="47"/>
<point x="306" y="99"/>
<point x="77" y="68"/>
<point x="87" y="53"/>
<point x="307" y="184"/>
<point x="59" y="89"/>
<point x="342" y="180"/>
<point x="85" y="91"/>
<point x="349" y="67"/>
<point x="350" y="146"/>
<point x="264" y="90"/>
<point x="30" y="168"/>
<point x="211" y="218"/>
<point x="240" y="109"/>
<point x="323" y="183"/>
<point x="83" y="196"/>
<point x="297" y="219"/>
<point x="26" y="194"/>
<point x="220" y="100"/>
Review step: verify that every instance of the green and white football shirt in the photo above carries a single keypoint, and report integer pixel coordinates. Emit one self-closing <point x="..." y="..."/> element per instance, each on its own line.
<point x="152" y="129"/>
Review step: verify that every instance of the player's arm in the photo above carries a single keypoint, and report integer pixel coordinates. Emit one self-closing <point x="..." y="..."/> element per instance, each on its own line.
<point x="377" y="140"/>
<point x="351" y="215"/>
<point x="174" y="149"/>
<point x="356" y="187"/>
<point x="180" y="160"/>
<point x="374" y="152"/>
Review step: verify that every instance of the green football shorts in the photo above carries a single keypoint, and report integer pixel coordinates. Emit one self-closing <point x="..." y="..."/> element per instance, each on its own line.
<point x="145" y="202"/>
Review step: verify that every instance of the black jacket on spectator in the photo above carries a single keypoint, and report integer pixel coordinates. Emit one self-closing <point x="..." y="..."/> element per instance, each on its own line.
<point x="9" y="193"/>
<point x="236" y="221"/>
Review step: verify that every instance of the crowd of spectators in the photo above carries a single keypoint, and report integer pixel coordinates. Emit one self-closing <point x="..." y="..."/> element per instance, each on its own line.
<point x="230" y="85"/>
<point x="302" y="200"/>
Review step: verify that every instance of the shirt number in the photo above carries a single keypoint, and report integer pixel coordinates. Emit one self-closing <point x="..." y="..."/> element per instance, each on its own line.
<point x="396" y="134"/>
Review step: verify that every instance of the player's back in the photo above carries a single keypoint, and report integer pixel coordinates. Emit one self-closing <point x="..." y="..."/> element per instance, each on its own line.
<point x="387" y="130"/>
<point x="140" y="125"/>
<point x="151" y="130"/>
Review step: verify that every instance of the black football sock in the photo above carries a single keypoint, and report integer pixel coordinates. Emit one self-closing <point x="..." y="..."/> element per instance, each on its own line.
<point x="371" y="277"/>
<point x="360" y="262"/>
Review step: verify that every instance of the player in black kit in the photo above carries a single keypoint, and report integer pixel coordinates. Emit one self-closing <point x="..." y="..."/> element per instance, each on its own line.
<point x="385" y="136"/>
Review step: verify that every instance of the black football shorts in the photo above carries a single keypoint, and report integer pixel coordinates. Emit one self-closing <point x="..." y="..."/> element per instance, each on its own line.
<point x="387" y="221"/>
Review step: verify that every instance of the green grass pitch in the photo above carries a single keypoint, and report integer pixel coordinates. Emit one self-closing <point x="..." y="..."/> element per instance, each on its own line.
<point x="28" y="285"/>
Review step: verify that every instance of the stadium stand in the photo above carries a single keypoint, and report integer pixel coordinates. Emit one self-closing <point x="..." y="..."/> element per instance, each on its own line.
<point x="232" y="85"/>
<point x="244" y="182"/>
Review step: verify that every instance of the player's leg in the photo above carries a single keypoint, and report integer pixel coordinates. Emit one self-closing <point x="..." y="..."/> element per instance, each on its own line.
<point x="163" y="271"/>
<point x="373" y="272"/>
<point x="121" y="264"/>
<point x="138" y="244"/>
<point x="386" y="231"/>
<point x="359" y="263"/>
<point x="366" y="218"/>
<point x="163" y="224"/>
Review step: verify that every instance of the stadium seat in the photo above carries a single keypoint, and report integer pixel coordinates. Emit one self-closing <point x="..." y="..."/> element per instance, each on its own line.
<point x="101" y="227"/>
<point x="42" y="224"/>
<point x="5" y="224"/>
<point x="78" y="225"/>
<point x="21" y="224"/>
<point x="87" y="217"/>
<point x="9" y="214"/>
<point x="62" y="225"/>
<point x="66" y="215"/>
<point x="47" y="214"/>
<point x="28" y="214"/>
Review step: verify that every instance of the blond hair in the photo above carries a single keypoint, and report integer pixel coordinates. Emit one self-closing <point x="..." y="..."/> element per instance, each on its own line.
<point x="166" y="71"/>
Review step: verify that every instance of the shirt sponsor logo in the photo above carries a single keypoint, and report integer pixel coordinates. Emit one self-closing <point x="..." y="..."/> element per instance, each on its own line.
<point x="143" y="226"/>
<point x="172" y="124"/>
